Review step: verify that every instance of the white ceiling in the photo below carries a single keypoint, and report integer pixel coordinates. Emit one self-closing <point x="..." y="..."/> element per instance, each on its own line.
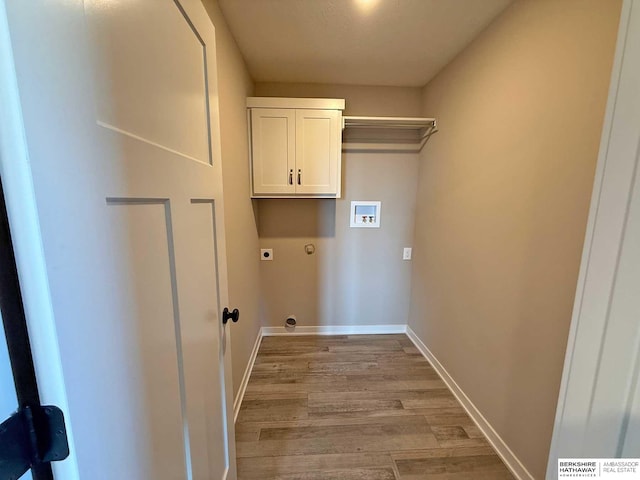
<point x="359" y="42"/>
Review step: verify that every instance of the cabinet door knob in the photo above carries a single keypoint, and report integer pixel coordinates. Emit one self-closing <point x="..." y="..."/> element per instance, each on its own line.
<point x="291" y="177"/>
<point x="227" y="315"/>
<point x="299" y="177"/>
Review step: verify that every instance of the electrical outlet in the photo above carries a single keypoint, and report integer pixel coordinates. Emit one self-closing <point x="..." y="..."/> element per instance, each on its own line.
<point x="406" y="253"/>
<point x="266" y="254"/>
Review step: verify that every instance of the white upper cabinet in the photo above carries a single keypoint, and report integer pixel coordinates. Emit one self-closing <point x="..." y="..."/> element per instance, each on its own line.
<point x="318" y="135"/>
<point x="274" y="149"/>
<point x="295" y="147"/>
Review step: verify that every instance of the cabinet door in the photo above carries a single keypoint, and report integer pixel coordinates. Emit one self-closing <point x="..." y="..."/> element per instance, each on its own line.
<point x="273" y="143"/>
<point x="317" y="152"/>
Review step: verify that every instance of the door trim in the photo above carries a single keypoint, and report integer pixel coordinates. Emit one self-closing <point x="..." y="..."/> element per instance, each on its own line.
<point x="19" y="347"/>
<point x="25" y="232"/>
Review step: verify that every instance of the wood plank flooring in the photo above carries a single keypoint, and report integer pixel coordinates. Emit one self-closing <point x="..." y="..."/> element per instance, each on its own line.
<point x="362" y="407"/>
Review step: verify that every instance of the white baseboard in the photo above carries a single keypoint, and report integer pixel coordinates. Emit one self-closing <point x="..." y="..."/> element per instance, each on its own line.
<point x="335" y="330"/>
<point x="237" y="402"/>
<point x="501" y="448"/>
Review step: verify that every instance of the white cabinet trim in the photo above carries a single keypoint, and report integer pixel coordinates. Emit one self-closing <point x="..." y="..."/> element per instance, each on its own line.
<point x="302" y="103"/>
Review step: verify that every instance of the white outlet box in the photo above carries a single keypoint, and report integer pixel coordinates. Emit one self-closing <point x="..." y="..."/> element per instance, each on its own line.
<point x="406" y="253"/>
<point x="266" y="254"/>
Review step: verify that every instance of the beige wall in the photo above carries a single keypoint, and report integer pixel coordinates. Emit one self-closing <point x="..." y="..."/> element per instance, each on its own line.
<point x="356" y="276"/>
<point x="235" y="85"/>
<point x="503" y="197"/>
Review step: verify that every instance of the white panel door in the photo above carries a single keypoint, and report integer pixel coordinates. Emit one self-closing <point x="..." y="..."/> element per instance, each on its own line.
<point x="273" y="134"/>
<point x="120" y="111"/>
<point x="317" y="151"/>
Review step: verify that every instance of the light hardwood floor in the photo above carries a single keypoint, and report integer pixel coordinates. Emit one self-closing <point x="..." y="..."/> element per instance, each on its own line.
<point x="362" y="407"/>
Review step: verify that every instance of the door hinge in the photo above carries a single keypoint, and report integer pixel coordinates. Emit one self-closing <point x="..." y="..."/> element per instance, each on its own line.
<point x="32" y="436"/>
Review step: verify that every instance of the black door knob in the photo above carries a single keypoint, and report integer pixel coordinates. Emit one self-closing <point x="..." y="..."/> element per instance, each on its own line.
<point x="227" y="315"/>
